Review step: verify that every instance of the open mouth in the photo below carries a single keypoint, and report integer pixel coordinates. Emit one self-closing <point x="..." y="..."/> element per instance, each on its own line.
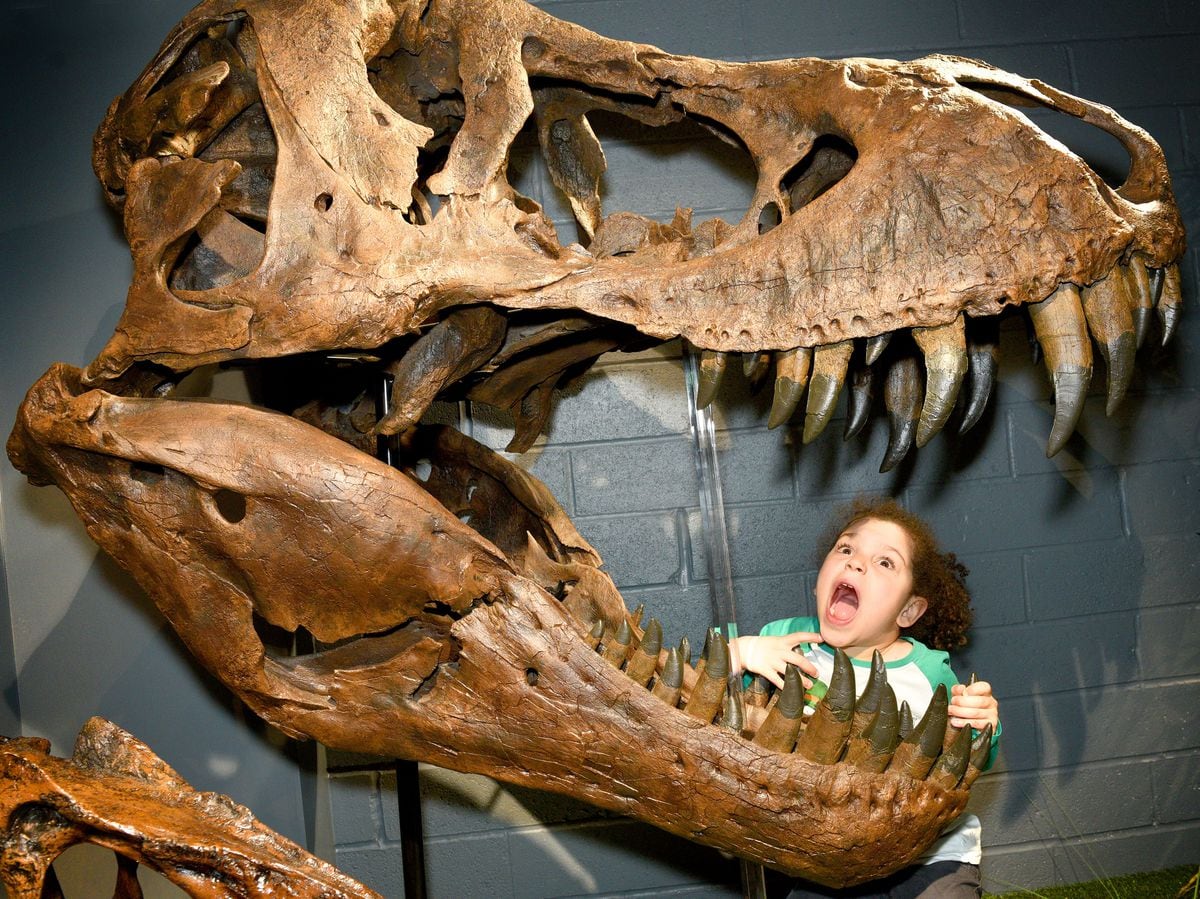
<point x="843" y="605"/>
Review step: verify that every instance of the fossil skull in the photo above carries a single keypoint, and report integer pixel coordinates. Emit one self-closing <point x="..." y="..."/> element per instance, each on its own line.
<point x="278" y="168"/>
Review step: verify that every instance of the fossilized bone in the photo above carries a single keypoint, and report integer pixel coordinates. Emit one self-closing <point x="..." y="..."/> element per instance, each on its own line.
<point x="115" y="792"/>
<point x="277" y="167"/>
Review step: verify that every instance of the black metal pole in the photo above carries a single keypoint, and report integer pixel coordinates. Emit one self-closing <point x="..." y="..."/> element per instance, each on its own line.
<point x="408" y="778"/>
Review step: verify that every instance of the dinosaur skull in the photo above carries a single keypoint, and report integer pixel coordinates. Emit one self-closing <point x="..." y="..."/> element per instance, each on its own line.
<point x="277" y="166"/>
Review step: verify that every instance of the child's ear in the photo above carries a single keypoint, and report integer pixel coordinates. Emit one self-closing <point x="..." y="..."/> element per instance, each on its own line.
<point x="912" y="610"/>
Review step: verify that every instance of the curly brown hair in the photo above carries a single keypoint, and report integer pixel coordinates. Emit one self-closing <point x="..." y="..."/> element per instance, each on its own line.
<point x="937" y="576"/>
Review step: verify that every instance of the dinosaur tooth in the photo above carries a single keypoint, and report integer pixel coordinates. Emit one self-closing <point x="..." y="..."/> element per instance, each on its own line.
<point x="868" y="701"/>
<point x="945" y="349"/>
<point x="828" y="728"/>
<point x="876" y="345"/>
<point x="981" y="750"/>
<point x="644" y="659"/>
<point x="712" y="372"/>
<point x="902" y="398"/>
<point x="596" y="633"/>
<point x="1106" y="307"/>
<point x="791" y="377"/>
<point x="862" y="391"/>
<point x="669" y="683"/>
<point x="685" y="650"/>
<point x="636" y="617"/>
<point x="983" y="349"/>
<point x="756" y="367"/>
<point x="873" y="751"/>
<point x="920" y="748"/>
<point x="905" y="725"/>
<point x="758" y="694"/>
<point x="707" y="695"/>
<point x="779" y="730"/>
<point x="617" y="643"/>
<point x="829" y="373"/>
<point x="1169" y="302"/>
<point x="733" y="710"/>
<point x="952" y="763"/>
<point x="1137" y="278"/>
<point x="1062" y="332"/>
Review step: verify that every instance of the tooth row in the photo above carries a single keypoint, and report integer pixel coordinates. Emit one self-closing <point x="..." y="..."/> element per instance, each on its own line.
<point x="869" y="732"/>
<point x="1115" y="312"/>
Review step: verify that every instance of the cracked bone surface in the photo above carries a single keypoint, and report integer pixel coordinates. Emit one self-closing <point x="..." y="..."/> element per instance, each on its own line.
<point x="309" y="179"/>
<point x="115" y="792"/>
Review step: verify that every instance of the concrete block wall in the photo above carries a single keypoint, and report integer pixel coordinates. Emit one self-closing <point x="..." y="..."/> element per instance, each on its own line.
<point x="1084" y="567"/>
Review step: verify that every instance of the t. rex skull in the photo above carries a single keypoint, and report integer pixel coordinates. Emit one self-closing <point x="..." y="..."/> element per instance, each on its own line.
<point x="277" y="165"/>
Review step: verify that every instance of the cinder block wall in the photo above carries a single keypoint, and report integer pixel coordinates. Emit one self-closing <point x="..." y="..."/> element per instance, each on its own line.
<point x="1084" y="567"/>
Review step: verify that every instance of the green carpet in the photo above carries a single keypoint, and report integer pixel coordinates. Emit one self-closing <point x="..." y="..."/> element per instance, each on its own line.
<point x="1171" y="883"/>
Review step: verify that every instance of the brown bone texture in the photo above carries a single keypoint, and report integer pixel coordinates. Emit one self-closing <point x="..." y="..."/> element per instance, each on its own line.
<point x="316" y="183"/>
<point x="116" y="793"/>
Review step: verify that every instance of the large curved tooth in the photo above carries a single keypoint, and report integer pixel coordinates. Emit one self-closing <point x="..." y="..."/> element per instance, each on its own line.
<point x="862" y="391"/>
<point x="782" y="725"/>
<point x="945" y="349"/>
<point x="712" y="371"/>
<point x="1170" y="302"/>
<point x="645" y="658"/>
<point x="827" y="730"/>
<point x="1059" y="323"/>
<point x="1141" y="295"/>
<point x="869" y="700"/>
<point x="733" y="710"/>
<point x="981" y="750"/>
<point x="873" y="751"/>
<point x="983" y="350"/>
<point x="902" y="397"/>
<point x="669" y="684"/>
<point x="791" y="377"/>
<point x="952" y="764"/>
<point x="617" y="643"/>
<point x="876" y="345"/>
<point x="917" y="752"/>
<point x="707" y="695"/>
<point x="829" y="373"/>
<point x="756" y="367"/>
<point x="1106" y="307"/>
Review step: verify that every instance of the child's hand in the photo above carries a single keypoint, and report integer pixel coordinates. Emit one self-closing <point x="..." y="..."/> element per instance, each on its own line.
<point x="769" y="656"/>
<point x="975" y="705"/>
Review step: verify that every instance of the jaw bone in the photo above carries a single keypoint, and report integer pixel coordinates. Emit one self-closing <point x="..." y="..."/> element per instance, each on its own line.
<point x="442" y="644"/>
<point x="114" y="792"/>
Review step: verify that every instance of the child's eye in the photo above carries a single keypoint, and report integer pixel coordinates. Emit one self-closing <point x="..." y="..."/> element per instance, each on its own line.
<point x="887" y="563"/>
<point x="842" y="548"/>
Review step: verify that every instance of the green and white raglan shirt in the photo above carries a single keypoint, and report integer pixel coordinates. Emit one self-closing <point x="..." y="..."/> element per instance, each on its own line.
<point x="914" y="679"/>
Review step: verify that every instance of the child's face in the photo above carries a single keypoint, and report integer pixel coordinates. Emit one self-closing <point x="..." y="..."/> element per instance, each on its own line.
<point x="864" y="588"/>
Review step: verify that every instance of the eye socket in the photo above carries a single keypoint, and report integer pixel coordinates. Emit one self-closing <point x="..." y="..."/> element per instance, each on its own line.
<point x="887" y="563"/>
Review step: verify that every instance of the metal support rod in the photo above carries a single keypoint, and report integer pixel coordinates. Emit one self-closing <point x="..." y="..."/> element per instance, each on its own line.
<point x="716" y="544"/>
<point x="408" y="780"/>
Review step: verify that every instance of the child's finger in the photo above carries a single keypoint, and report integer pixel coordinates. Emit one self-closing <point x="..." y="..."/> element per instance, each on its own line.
<point x="797" y="637"/>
